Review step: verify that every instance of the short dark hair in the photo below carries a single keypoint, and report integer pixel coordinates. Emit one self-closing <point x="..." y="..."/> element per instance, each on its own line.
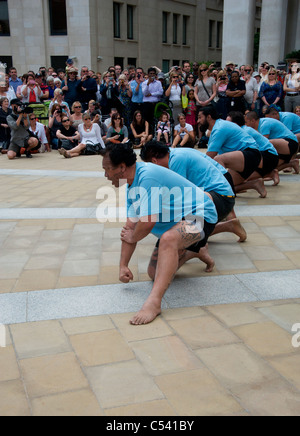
<point x="154" y="149"/>
<point x="252" y="116"/>
<point x="237" y="118"/>
<point x="210" y="111"/>
<point x="151" y="69"/>
<point x="271" y="110"/>
<point x="121" y="153"/>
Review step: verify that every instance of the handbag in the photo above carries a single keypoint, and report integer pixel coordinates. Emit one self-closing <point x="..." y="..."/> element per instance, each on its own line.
<point x="212" y="103"/>
<point x="185" y="101"/>
<point x="92" y="148"/>
<point x="67" y="144"/>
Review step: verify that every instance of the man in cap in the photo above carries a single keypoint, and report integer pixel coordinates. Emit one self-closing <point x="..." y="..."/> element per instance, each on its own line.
<point x="19" y="125"/>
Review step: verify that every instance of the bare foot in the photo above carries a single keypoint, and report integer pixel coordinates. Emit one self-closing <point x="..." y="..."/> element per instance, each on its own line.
<point x="295" y="165"/>
<point x="206" y="258"/>
<point x="238" y="230"/>
<point x="275" y="177"/>
<point x="149" y="312"/>
<point x="288" y="170"/>
<point x="260" y="188"/>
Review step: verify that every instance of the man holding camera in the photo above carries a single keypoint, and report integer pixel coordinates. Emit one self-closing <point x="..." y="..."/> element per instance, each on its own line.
<point x="19" y="125"/>
<point x="86" y="88"/>
<point x="137" y="92"/>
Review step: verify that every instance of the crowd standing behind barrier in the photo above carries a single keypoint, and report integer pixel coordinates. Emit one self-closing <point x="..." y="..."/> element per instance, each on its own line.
<point x="184" y="91"/>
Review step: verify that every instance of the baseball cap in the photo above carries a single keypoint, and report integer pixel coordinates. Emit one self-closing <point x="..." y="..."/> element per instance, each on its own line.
<point x="70" y="61"/>
<point x="16" y="101"/>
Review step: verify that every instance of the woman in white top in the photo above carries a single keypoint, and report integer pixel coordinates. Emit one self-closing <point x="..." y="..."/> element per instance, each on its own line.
<point x="174" y="92"/>
<point x="292" y="88"/>
<point x="91" y="141"/>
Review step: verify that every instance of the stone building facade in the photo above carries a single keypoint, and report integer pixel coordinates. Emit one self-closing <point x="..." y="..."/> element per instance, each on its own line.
<point x="99" y="33"/>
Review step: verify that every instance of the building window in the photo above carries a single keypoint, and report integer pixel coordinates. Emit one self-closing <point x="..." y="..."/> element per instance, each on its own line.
<point x="117" y="20"/>
<point x="165" y="28"/>
<point x="8" y="61"/>
<point x="58" y="62"/>
<point x="130" y="18"/>
<point x="185" y="22"/>
<point x="4" y="19"/>
<point x="132" y="62"/>
<point x="58" y="17"/>
<point x="166" y="65"/>
<point x="219" y="34"/>
<point x="175" y="28"/>
<point x="119" y="61"/>
<point x="211" y="33"/>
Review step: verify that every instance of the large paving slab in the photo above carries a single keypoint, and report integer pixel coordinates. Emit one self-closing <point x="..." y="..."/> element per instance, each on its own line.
<point x="226" y="343"/>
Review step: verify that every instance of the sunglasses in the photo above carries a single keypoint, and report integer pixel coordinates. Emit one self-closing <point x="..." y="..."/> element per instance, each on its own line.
<point x="271" y="74"/>
<point x="65" y="121"/>
<point x="118" y="119"/>
<point x="33" y="119"/>
<point x="247" y="71"/>
<point x="77" y="107"/>
<point x="204" y="70"/>
<point x="85" y="119"/>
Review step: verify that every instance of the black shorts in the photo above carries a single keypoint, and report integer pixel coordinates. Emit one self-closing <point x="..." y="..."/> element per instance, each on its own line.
<point x="229" y="179"/>
<point x="293" y="146"/>
<point x="270" y="163"/>
<point x="208" y="228"/>
<point x="252" y="160"/>
<point x="224" y="204"/>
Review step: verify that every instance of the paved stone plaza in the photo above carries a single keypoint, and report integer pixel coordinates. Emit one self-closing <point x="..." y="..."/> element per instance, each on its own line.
<point x="223" y="345"/>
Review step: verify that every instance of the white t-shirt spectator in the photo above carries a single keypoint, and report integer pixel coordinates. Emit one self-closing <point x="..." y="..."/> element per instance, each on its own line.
<point x="188" y="127"/>
<point x="41" y="134"/>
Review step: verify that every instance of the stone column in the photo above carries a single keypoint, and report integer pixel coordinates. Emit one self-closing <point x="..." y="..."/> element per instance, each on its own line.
<point x="273" y="31"/>
<point x="238" y="31"/>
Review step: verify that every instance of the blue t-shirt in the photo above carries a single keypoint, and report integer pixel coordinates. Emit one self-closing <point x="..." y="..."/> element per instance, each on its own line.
<point x="193" y="166"/>
<point x="137" y="97"/>
<point x="227" y="137"/>
<point x="161" y="192"/>
<point x="291" y="121"/>
<point x="275" y="129"/>
<point x="263" y="143"/>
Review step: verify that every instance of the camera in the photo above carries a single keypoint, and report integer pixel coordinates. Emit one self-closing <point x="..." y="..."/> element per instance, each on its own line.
<point x="139" y="76"/>
<point x="26" y="109"/>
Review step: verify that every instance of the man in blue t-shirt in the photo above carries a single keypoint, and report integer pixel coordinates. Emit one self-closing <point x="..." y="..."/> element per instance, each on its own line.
<point x="165" y="204"/>
<point x="203" y="172"/>
<point x="290" y="120"/>
<point x="234" y="149"/>
<point x="269" y="162"/>
<point x="285" y="142"/>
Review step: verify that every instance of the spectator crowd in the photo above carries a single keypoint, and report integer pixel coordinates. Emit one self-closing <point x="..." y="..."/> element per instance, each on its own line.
<point x="70" y="110"/>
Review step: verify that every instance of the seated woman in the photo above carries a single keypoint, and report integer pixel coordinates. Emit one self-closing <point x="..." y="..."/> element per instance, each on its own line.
<point x="67" y="135"/>
<point x="184" y="134"/>
<point x="55" y="124"/>
<point x="91" y="141"/>
<point x="117" y="133"/>
<point x="140" y="130"/>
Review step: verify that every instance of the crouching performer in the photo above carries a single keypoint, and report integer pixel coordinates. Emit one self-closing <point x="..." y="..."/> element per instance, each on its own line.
<point x="163" y="203"/>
